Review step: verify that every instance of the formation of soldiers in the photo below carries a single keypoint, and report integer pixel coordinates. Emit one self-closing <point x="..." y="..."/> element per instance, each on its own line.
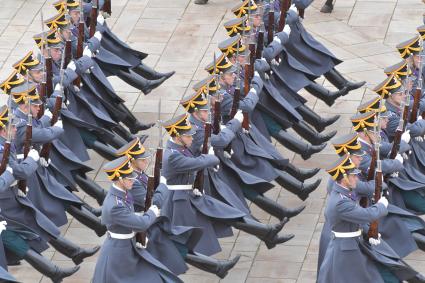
<point x="219" y="154"/>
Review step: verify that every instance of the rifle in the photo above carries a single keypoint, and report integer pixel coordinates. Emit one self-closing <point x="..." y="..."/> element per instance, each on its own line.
<point x="42" y="91"/>
<point x="217" y="117"/>
<point x="153" y="181"/>
<point x="397" y="139"/>
<point x="260" y="45"/>
<point x="301" y="13"/>
<point x="373" y="228"/>
<point x="93" y="18"/>
<point x="68" y="52"/>
<point x="45" y="150"/>
<point x="252" y="54"/>
<point x="270" y="27"/>
<point x="6" y="146"/>
<point x="283" y="9"/>
<point x="80" y="44"/>
<point x="245" y="122"/>
<point x="107" y="7"/>
<point x="418" y="94"/>
<point x="49" y="75"/>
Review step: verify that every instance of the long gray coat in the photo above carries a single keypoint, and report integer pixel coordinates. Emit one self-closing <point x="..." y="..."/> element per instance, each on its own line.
<point x="344" y="260"/>
<point x="120" y="260"/>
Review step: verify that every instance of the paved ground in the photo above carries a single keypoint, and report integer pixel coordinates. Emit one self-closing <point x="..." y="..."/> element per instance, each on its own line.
<point x="181" y="36"/>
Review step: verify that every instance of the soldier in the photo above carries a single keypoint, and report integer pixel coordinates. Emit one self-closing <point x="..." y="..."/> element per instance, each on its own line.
<point x="345" y="217"/>
<point x="131" y="262"/>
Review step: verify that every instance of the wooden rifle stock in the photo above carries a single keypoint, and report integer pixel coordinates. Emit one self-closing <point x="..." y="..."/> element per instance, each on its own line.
<point x="260" y="45"/>
<point x="199" y="180"/>
<point x="68" y="52"/>
<point x="5" y="158"/>
<point x="396" y="143"/>
<point x="22" y="184"/>
<point x="245" y="122"/>
<point x="49" y="76"/>
<point x="415" y="107"/>
<point x="45" y="150"/>
<point x="80" y="46"/>
<point x="236" y="100"/>
<point x="93" y="18"/>
<point x="217" y="117"/>
<point x="42" y="94"/>
<point x="373" y="229"/>
<point x="107" y="7"/>
<point x="301" y="13"/>
<point x="270" y="27"/>
<point x="405" y="115"/>
<point x="283" y="9"/>
<point x="252" y="53"/>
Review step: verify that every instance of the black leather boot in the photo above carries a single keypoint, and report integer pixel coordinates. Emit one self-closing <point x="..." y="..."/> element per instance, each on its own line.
<point x="88" y="219"/>
<point x="71" y="250"/>
<point x="298" y="146"/>
<point x="324" y="94"/>
<point x="132" y="123"/>
<point x="47" y="268"/>
<point x="314" y="119"/>
<point x="137" y="81"/>
<point x="420" y="240"/>
<point x="266" y="233"/>
<point x="327" y="7"/>
<point x="310" y="134"/>
<point x="211" y="265"/>
<point x="90" y="187"/>
<point x="338" y="80"/>
<point x="294" y="186"/>
<point x="273" y="208"/>
<point x="301" y="174"/>
<point x="123" y="133"/>
<point x="150" y="74"/>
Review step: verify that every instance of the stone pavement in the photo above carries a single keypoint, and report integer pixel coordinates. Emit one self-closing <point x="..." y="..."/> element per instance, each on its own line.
<point x="181" y="36"/>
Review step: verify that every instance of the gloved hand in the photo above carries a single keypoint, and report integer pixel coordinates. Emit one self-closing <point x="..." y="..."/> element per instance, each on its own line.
<point x="253" y="90"/>
<point x="375" y="242"/>
<point x="239" y="116"/>
<point x="222" y="127"/>
<point x="22" y="194"/>
<point x="162" y="180"/>
<point x="48" y="113"/>
<point x="287" y="30"/>
<point x="98" y="35"/>
<point x="274" y="62"/>
<point x="87" y="52"/>
<point x="384" y="201"/>
<point x="34" y="155"/>
<point x="406" y="136"/>
<point x="211" y="151"/>
<point x="155" y="210"/>
<point x="399" y="158"/>
<point x="228" y="155"/>
<point x="58" y="124"/>
<point x="100" y="19"/>
<point x="140" y="246"/>
<point x="405" y="156"/>
<point x="2" y="226"/>
<point x="9" y="169"/>
<point x="71" y="65"/>
<point x="197" y="192"/>
<point x="419" y="118"/>
<point x="256" y="74"/>
<point x="294" y="8"/>
<point x="277" y="39"/>
<point x="394" y="175"/>
<point x="57" y="87"/>
<point x="43" y="162"/>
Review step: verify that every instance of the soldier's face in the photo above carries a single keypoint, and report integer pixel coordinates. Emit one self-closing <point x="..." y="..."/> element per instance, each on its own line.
<point x="229" y="78"/>
<point x="66" y="34"/>
<point x="141" y="164"/>
<point x="35" y="109"/>
<point x="356" y="160"/>
<point x="56" y="54"/>
<point x="398" y="97"/>
<point x="256" y="20"/>
<point x="186" y="140"/>
<point x="36" y="75"/>
<point x="203" y="115"/>
<point x="75" y="16"/>
<point x="384" y="123"/>
<point x="127" y="184"/>
<point x="352" y="181"/>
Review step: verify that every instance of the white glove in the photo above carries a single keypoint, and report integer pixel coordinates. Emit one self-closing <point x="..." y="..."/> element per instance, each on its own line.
<point x="419" y="139"/>
<point x="162" y="180"/>
<point x="43" y="162"/>
<point x="57" y="87"/>
<point x="34" y="155"/>
<point x="399" y="158"/>
<point x="222" y="127"/>
<point x="197" y="193"/>
<point x="406" y="136"/>
<point x="264" y="59"/>
<point x="9" y="169"/>
<point x="253" y="90"/>
<point x="87" y="52"/>
<point x="419" y="117"/>
<point x="48" y="113"/>
<point x="277" y="40"/>
<point x="256" y="74"/>
<point x="375" y="242"/>
<point x="100" y="19"/>
<point x="140" y="246"/>
<point x="2" y="226"/>
<point x="274" y="62"/>
<point x="384" y="201"/>
<point x="294" y="8"/>
<point x="287" y="29"/>
<point x="58" y="124"/>
<point x="239" y="116"/>
<point x="98" y="35"/>
<point x="228" y="155"/>
<point x="395" y="174"/>
<point x="71" y="65"/>
<point x="155" y="210"/>
<point x="22" y="194"/>
<point x="405" y="156"/>
<point x="211" y="151"/>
